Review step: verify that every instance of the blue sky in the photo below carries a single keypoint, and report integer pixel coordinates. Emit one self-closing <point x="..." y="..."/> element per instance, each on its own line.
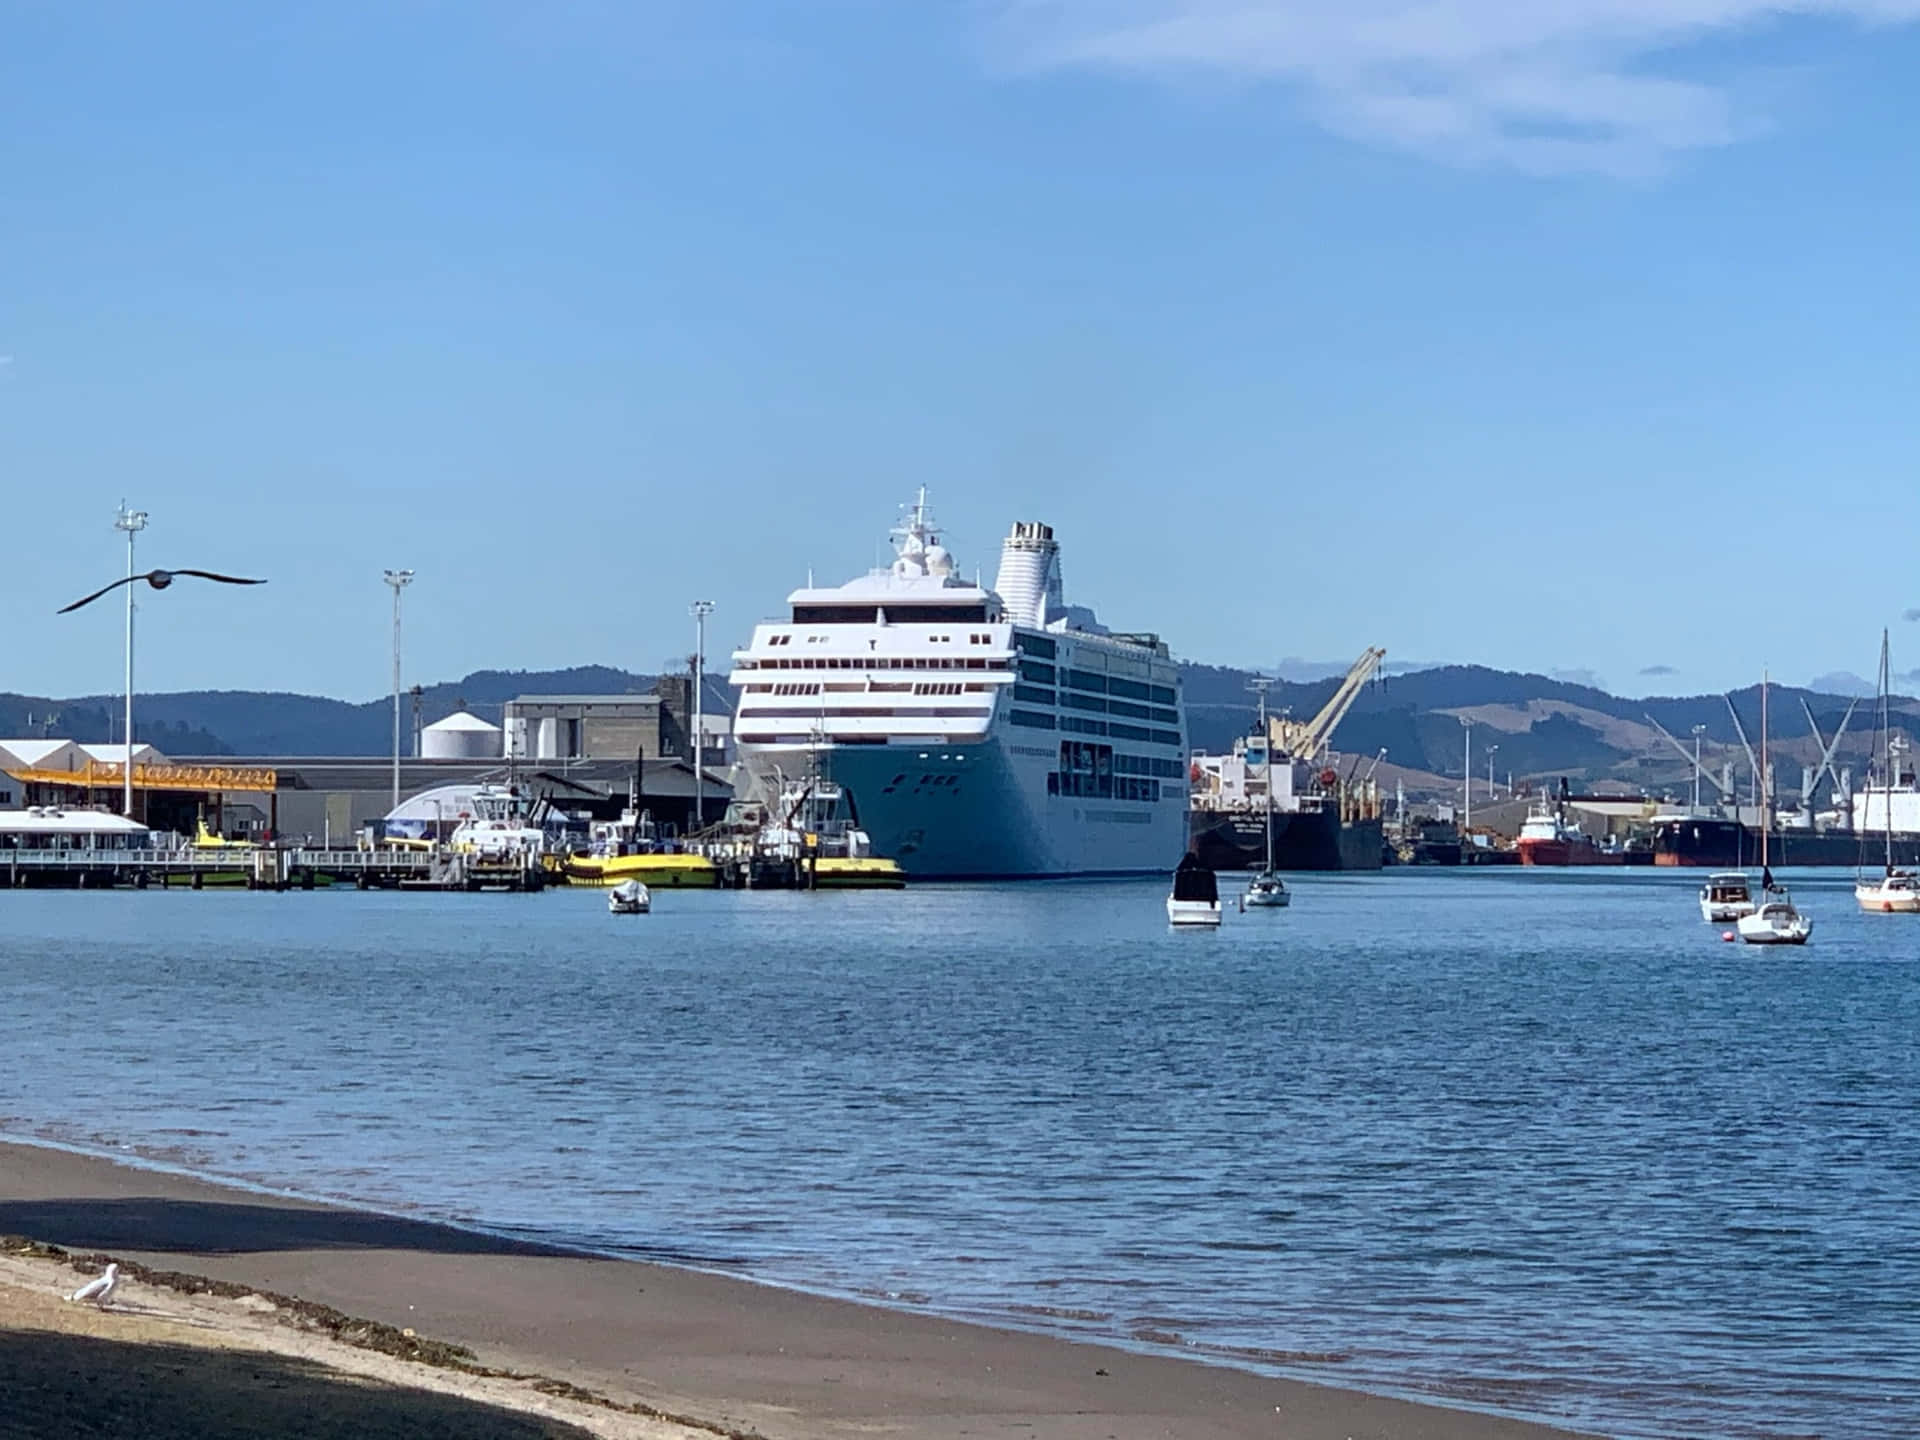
<point x="1572" y="337"/>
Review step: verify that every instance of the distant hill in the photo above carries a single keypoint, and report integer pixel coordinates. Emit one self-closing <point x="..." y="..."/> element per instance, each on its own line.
<point x="1543" y="727"/>
<point x="251" y="722"/>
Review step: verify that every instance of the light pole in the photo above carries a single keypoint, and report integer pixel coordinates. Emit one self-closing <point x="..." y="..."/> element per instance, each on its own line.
<point x="399" y="580"/>
<point x="1492" y="794"/>
<point x="700" y="609"/>
<point x="1698" y="731"/>
<point x="1467" y="726"/>
<point x="133" y="522"/>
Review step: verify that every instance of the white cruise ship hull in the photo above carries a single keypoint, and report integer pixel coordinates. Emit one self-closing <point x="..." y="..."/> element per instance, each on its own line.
<point x="982" y="812"/>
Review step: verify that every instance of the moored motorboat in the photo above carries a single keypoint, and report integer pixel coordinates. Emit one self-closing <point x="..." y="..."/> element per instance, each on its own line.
<point x="1727" y="895"/>
<point x="629" y="897"/>
<point x="1196" y="895"/>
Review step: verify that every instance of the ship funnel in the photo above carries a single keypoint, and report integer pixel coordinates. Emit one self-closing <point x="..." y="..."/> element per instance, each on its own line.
<point x="1029" y="580"/>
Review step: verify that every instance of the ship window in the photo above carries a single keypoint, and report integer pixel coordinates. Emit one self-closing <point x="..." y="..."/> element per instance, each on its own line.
<point x="1033" y="670"/>
<point x="1037" y="645"/>
<point x="1166" y="737"/>
<point x="1032" y="719"/>
<point x="836" y="614"/>
<point x="1033" y="695"/>
<point x="1087" y="680"/>
<point x="1161" y="695"/>
<point x="1129" y="732"/>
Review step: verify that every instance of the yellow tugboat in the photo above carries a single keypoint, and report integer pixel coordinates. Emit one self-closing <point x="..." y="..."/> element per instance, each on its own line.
<point x="631" y="849"/>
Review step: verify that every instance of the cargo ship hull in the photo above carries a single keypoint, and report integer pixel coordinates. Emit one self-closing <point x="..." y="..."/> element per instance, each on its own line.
<point x="1307" y="839"/>
<point x="1728" y="845"/>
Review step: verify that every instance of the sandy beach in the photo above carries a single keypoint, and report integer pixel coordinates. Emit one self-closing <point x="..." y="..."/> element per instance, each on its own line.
<point x="642" y="1350"/>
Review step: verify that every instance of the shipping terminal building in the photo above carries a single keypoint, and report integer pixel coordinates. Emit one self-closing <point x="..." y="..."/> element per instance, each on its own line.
<point x="581" y="750"/>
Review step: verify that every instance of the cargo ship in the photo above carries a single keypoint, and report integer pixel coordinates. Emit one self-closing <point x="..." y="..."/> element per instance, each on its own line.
<point x="1723" y="843"/>
<point x="1271" y="779"/>
<point x="1316" y="836"/>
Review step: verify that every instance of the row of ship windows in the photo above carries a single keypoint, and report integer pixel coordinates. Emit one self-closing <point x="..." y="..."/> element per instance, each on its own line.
<point x="870" y="662"/>
<point x="1097" y="684"/>
<point x="1034" y="695"/>
<point x="976" y="638"/>
<point x="1039" y="720"/>
<point x="1102" y="787"/>
<point x="917" y="687"/>
<point x="863" y="712"/>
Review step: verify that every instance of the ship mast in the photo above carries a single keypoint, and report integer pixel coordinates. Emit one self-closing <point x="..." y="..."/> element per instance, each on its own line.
<point x="1764" y="787"/>
<point x="1259" y="687"/>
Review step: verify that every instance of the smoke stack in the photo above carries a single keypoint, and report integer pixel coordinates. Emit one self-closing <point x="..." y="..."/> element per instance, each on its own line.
<point x="1029" y="580"/>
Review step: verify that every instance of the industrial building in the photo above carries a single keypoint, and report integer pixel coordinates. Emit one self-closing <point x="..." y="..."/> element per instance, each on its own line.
<point x="333" y="799"/>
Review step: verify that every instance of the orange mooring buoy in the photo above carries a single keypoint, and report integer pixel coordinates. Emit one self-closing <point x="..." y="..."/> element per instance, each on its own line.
<point x="1728" y="935"/>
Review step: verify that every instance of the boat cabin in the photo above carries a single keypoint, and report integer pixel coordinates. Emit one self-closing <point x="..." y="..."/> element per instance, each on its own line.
<point x="1727" y="888"/>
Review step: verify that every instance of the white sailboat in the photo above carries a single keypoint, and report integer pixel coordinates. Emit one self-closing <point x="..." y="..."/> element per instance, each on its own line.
<point x="1776" y="922"/>
<point x="1895" y="891"/>
<point x="1266" y="891"/>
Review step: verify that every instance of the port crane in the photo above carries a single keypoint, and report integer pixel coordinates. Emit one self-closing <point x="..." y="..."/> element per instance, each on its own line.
<point x="1305" y="740"/>
<point x="1808" y="787"/>
<point x="1725" y="787"/>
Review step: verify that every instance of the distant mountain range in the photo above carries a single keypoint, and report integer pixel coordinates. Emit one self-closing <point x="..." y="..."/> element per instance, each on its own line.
<point x="1543" y="727"/>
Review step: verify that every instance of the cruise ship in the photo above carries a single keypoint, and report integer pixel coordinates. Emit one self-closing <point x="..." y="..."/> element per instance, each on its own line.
<point x="978" y="733"/>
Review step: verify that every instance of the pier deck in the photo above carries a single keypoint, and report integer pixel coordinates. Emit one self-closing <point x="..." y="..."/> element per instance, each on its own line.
<point x="293" y="868"/>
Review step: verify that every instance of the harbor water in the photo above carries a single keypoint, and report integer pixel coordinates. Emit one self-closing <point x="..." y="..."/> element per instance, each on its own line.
<point x="1523" y="1141"/>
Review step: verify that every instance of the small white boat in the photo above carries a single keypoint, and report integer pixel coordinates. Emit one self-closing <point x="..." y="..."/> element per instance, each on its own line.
<point x="629" y="897"/>
<point x="1727" y="896"/>
<point x="1895" y="893"/>
<point x="1776" y="922"/>
<point x="1266" y="891"/>
<point x="1196" y="895"/>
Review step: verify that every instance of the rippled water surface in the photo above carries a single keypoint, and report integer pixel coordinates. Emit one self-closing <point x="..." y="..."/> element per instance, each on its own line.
<point x="1523" y="1141"/>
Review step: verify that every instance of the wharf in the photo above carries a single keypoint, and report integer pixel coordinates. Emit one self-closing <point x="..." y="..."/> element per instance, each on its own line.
<point x="292" y="868"/>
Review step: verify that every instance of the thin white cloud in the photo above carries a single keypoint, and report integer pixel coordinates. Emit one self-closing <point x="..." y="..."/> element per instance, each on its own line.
<point x="1542" y="86"/>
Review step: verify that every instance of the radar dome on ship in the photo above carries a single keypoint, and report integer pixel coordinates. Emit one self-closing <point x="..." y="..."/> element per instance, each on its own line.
<point x="939" y="561"/>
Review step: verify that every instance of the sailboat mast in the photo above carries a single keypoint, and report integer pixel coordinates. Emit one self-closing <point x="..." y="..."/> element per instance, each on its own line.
<point x="1266" y="741"/>
<point x="1886" y="730"/>
<point x="1764" y="827"/>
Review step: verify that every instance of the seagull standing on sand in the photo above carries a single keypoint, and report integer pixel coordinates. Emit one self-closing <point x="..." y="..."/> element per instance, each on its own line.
<point x="98" y="1291"/>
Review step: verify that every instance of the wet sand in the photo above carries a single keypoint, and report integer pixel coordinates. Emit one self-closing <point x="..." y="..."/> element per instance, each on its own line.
<point x="713" y="1350"/>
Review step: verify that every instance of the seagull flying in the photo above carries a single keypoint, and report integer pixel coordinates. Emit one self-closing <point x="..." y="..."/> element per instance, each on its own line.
<point x="159" y="580"/>
<point x="98" y="1291"/>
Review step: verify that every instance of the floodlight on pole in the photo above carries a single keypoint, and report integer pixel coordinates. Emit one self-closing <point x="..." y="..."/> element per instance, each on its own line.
<point x="700" y="609"/>
<point x="399" y="580"/>
<point x="132" y="522"/>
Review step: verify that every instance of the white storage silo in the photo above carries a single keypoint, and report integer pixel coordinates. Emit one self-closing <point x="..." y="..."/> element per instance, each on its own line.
<point x="460" y="737"/>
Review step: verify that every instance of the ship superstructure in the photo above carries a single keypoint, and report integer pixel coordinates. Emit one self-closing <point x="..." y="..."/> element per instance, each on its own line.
<point x="976" y="732"/>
